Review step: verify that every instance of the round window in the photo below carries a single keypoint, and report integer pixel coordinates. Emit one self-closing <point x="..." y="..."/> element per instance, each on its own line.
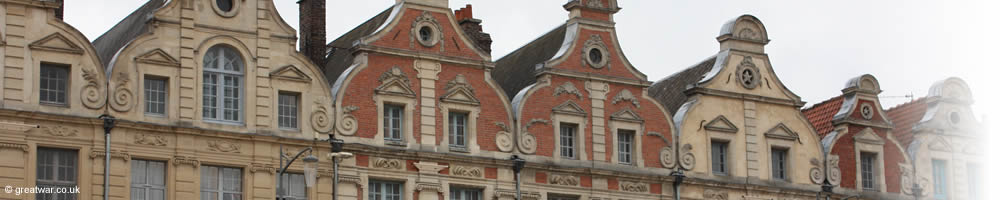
<point x="595" y="55"/>
<point x="748" y="76"/>
<point x="224" y="5"/>
<point x="426" y="34"/>
<point x="866" y="111"/>
<point x="955" y="118"/>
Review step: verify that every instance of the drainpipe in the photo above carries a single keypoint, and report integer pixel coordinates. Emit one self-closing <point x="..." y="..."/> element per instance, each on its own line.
<point x="109" y="123"/>
<point x="518" y="165"/>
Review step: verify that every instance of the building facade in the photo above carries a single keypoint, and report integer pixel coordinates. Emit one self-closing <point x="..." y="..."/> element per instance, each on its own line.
<point x="212" y="97"/>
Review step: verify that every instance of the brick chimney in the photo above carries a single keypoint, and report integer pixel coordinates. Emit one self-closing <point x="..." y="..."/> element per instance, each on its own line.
<point x="312" y="30"/>
<point x="596" y="10"/>
<point x="59" y="10"/>
<point x="473" y="28"/>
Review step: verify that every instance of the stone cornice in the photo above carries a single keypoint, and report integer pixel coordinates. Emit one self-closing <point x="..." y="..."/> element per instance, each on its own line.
<point x="481" y="64"/>
<point x="742" y="96"/>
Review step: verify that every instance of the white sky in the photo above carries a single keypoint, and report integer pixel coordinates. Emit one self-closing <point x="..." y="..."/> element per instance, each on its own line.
<point x="816" y="46"/>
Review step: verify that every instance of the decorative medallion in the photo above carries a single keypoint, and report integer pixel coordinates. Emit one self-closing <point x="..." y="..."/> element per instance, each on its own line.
<point x="567" y="88"/>
<point x="526" y="143"/>
<point x="867" y="111"/>
<point x="909" y="179"/>
<point x="595" y="53"/>
<point x="426" y="30"/>
<point x="563" y="180"/>
<point x="320" y="118"/>
<point x="666" y="157"/>
<point x="634" y="187"/>
<point x="687" y="159"/>
<point x="348" y="124"/>
<point x="625" y="95"/>
<point x="223" y="146"/>
<point x="60" y="131"/>
<point x="474" y="172"/>
<point x="150" y="139"/>
<point x="815" y="173"/>
<point x="595" y="4"/>
<point x="122" y="96"/>
<point x="748" y="74"/>
<point x="388" y="163"/>
<point x="504" y="140"/>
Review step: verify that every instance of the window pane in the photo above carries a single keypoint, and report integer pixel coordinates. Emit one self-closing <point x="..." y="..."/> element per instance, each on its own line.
<point x="974" y="182"/>
<point x="719" y="157"/>
<point x="52" y="83"/>
<point x="868" y="170"/>
<point x="779" y="163"/>
<point x="457" y="129"/>
<point x="567" y="140"/>
<point x="138" y="172"/>
<point x="156" y="95"/>
<point x="288" y="110"/>
<point x="392" y="122"/>
<point x="625" y="146"/>
<point x="940" y="169"/>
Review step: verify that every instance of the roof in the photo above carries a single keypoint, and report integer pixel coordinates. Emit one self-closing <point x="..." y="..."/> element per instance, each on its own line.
<point x="669" y="91"/>
<point x="905" y="117"/>
<point x="112" y="41"/>
<point x="339" y="56"/>
<point x="516" y="70"/>
<point x="821" y="114"/>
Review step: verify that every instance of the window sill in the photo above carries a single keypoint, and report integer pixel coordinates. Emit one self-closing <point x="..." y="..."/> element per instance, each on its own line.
<point x="54" y="104"/>
<point x="395" y="143"/>
<point x="221" y="122"/>
<point x="458" y="149"/>
<point x="157" y="115"/>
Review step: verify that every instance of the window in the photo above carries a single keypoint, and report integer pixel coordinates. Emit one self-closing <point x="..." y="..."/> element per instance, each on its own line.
<point x="53" y="81"/>
<point x="392" y="123"/>
<point x="224" y="5"/>
<point x="567" y="140"/>
<point x="221" y="183"/>
<point x="223" y="84"/>
<point x="56" y="169"/>
<point x="147" y="180"/>
<point x="940" y="169"/>
<point x="457" y="129"/>
<point x="288" y="110"/>
<point x="156" y="95"/>
<point x="425" y="33"/>
<point x="779" y="164"/>
<point x="626" y="142"/>
<point x="561" y="197"/>
<point x="466" y="194"/>
<point x="719" y="153"/>
<point x="383" y="190"/>
<point x="595" y="55"/>
<point x="975" y="182"/>
<point x="868" y="171"/>
<point x="293" y="186"/>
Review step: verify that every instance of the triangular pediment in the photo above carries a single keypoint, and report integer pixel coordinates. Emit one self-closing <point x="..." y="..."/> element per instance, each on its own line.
<point x="290" y="73"/>
<point x="56" y="42"/>
<point x="939" y="144"/>
<point x="721" y="124"/>
<point x="782" y="132"/>
<point x="396" y="87"/>
<point x="158" y="57"/>
<point x="626" y="115"/>
<point x="460" y="95"/>
<point x="569" y="107"/>
<point x="868" y="136"/>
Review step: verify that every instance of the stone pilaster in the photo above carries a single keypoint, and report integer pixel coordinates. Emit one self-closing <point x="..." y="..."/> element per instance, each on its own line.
<point x="598" y="94"/>
<point x="427" y="73"/>
<point x="189" y="74"/>
<point x="14" y="55"/>
<point x="263" y="92"/>
<point x="752" y="138"/>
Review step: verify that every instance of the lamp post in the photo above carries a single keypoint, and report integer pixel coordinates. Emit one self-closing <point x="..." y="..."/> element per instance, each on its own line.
<point x="518" y="166"/>
<point x="336" y="154"/>
<point x="309" y="168"/>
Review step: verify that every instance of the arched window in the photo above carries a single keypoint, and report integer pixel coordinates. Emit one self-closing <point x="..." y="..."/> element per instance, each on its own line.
<point x="222" y="86"/>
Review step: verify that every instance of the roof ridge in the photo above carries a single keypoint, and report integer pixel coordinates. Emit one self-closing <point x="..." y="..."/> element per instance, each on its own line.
<point x="537" y="39"/>
<point x="816" y="105"/>
<point x="907" y="104"/>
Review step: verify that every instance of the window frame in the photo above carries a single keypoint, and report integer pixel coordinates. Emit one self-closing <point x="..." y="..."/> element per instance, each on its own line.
<point x="630" y="148"/>
<point x="57" y="179"/>
<point x="465" y="192"/>
<point x="975" y="182"/>
<point x="939" y="173"/>
<point x="146" y="95"/>
<point x="147" y="186"/>
<point x="454" y="128"/>
<point x="285" y="189"/>
<point x="373" y="185"/>
<point x="293" y="115"/>
<point x="568" y="142"/>
<point x="723" y="161"/>
<point x="220" y="74"/>
<point x="220" y="179"/>
<point x="393" y="135"/>
<point x="871" y="160"/>
<point x="59" y="67"/>
<point x="779" y="163"/>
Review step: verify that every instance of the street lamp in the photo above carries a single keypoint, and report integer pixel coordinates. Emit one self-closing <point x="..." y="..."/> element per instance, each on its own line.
<point x="309" y="167"/>
<point x="336" y="146"/>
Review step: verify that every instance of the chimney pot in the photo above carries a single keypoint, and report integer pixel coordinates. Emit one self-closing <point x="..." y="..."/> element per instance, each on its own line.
<point x="312" y="30"/>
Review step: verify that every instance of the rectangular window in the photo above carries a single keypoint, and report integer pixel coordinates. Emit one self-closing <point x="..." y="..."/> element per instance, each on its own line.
<point x="567" y="140"/>
<point x="626" y="142"/>
<point x="779" y="164"/>
<point x="393" y="123"/>
<point x="868" y="171"/>
<point x="940" y="169"/>
<point x="975" y="182"/>
<point x="561" y="197"/>
<point x="148" y="180"/>
<point x="457" y="128"/>
<point x="156" y="95"/>
<point x="221" y="183"/>
<point x="384" y="190"/>
<point x="223" y="90"/>
<point x="293" y="186"/>
<point x="56" y="169"/>
<point x="719" y="153"/>
<point x="53" y="81"/>
<point x="288" y="110"/>
<point x="466" y="194"/>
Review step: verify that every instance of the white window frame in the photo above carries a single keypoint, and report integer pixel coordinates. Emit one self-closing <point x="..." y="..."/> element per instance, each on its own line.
<point x="63" y="81"/>
<point x="975" y="180"/>
<point x="572" y="145"/>
<point x="220" y="74"/>
<point x="220" y="180"/>
<point x="288" y="114"/>
<point x="862" y="160"/>
<point x="636" y="127"/>
<point x="57" y="180"/>
<point x="946" y="182"/>
<point x="869" y="146"/>
<point x="145" y="185"/>
<point x="380" y="185"/>
<point x="465" y="193"/>
<point x="724" y="159"/>
<point x="148" y="91"/>
<point x="625" y="151"/>
<point x="286" y="186"/>
<point x="458" y="131"/>
<point x="391" y="128"/>
<point x="783" y="169"/>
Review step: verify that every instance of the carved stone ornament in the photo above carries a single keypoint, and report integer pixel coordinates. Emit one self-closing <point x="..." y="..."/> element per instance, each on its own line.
<point x="567" y="88"/>
<point x="526" y="143"/>
<point x="512" y="194"/>
<point x="349" y="179"/>
<point x="122" y="97"/>
<point x="815" y="173"/>
<point x="908" y="179"/>
<point x="833" y="169"/>
<point x="687" y="157"/>
<point x="426" y="30"/>
<point x="150" y="139"/>
<point x="429" y="167"/>
<point x="595" y="3"/>
<point x="223" y="146"/>
<point x="667" y="157"/>
<point x="185" y="160"/>
<point x="474" y="172"/>
<point x="320" y="118"/>
<point x="459" y="91"/>
<point x="263" y="168"/>
<point x="90" y="94"/>
<point x="711" y="194"/>
<point x="867" y="111"/>
<point x="348" y="123"/>
<point x="395" y="82"/>
<point x="124" y="155"/>
<point x="60" y="131"/>
<point x="634" y="187"/>
<point x="595" y="53"/>
<point x="429" y="186"/>
<point x="16" y="126"/>
<point x="536" y="121"/>
<point x="388" y="163"/>
<point x="22" y="147"/>
<point x="747" y="73"/>
<point x="625" y="95"/>
<point x="504" y="140"/>
<point x="564" y="180"/>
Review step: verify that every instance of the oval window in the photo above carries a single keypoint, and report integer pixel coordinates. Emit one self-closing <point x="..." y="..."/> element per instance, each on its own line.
<point x="596" y="56"/>
<point x="955" y="118"/>
<point x="224" y="5"/>
<point x="426" y="33"/>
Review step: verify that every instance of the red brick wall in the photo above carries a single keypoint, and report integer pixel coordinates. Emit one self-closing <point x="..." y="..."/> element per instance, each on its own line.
<point x="361" y="89"/>
<point x="491" y="104"/>
<point x="399" y="36"/>
<point x="540" y="104"/>
<point x="892" y="156"/>
<point x="615" y="65"/>
<point x="655" y="121"/>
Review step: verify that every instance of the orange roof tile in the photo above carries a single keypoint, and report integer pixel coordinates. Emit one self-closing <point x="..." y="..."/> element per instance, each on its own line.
<point x="905" y="116"/>
<point x="821" y="114"/>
